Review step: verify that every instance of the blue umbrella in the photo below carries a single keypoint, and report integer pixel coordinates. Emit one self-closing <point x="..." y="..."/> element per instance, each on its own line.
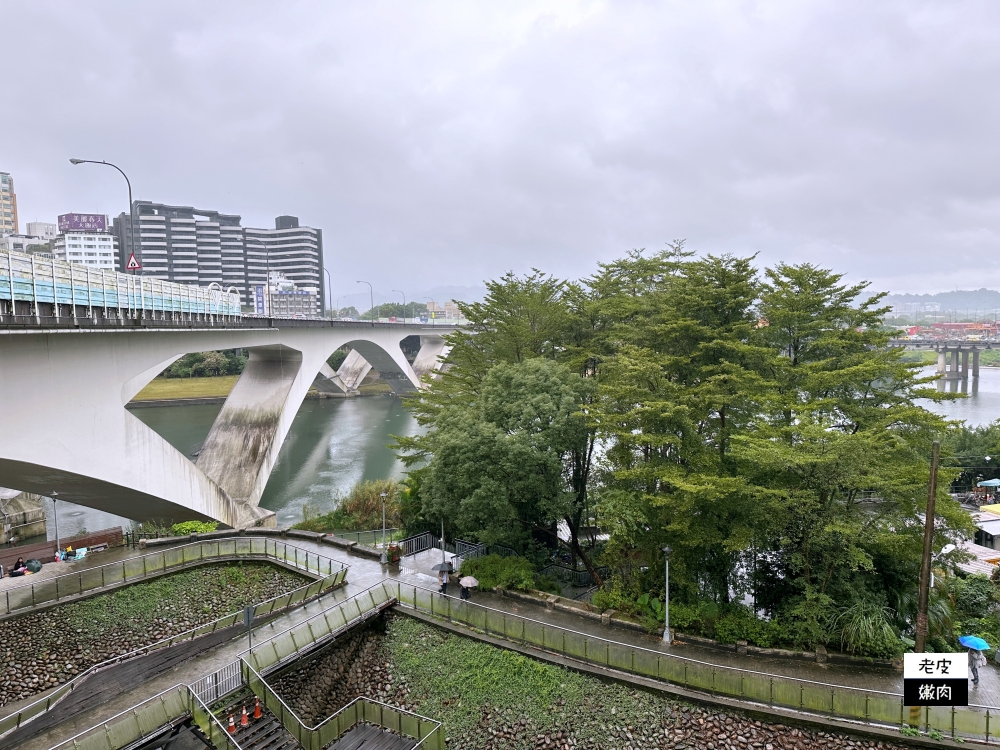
<point x="971" y="641"/>
<point x="990" y="483"/>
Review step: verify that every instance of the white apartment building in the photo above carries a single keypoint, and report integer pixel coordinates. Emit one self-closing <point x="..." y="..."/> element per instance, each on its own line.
<point x="91" y="249"/>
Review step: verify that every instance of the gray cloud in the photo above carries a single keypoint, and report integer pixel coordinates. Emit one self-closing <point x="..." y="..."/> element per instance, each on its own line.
<point x="441" y="144"/>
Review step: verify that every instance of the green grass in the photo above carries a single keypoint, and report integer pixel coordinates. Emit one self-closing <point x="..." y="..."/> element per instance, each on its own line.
<point x="171" y="388"/>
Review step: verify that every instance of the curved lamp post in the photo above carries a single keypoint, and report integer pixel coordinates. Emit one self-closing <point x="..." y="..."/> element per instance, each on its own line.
<point x="666" y="595"/>
<point x="329" y="286"/>
<point x="371" y="298"/>
<point x="383" y="496"/>
<point x="131" y="213"/>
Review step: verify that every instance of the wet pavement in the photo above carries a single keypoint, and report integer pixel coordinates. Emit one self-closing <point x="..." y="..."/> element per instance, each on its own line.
<point x="365" y="572"/>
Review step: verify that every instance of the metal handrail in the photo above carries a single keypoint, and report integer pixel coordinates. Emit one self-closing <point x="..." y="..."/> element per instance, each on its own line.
<point x="156" y="572"/>
<point x="774" y="681"/>
<point x="310" y="736"/>
<point x="28" y="713"/>
<point x="417" y="543"/>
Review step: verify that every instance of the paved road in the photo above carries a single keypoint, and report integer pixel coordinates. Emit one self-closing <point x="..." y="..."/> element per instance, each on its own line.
<point x="365" y="573"/>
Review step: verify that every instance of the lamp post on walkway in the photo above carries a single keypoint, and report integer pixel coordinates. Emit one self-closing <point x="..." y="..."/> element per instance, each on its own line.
<point x="131" y="213"/>
<point x="371" y="298"/>
<point x="55" y="517"/>
<point x="383" y="496"/>
<point x="666" y="596"/>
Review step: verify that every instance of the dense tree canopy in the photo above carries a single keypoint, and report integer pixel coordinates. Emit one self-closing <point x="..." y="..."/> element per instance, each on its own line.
<point x="756" y="423"/>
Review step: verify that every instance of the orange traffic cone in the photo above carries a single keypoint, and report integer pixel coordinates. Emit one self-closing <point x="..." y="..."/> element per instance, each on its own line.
<point x="256" y="708"/>
<point x="244" y="720"/>
<point x="232" y="725"/>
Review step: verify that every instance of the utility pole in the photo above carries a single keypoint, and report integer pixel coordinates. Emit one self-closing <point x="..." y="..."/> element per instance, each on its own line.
<point x="925" y="563"/>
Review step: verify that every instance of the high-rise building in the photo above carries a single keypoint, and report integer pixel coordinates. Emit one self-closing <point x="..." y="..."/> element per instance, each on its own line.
<point x="193" y="246"/>
<point x="42" y="229"/>
<point x="85" y="239"/>
<point x="8" y="205"/>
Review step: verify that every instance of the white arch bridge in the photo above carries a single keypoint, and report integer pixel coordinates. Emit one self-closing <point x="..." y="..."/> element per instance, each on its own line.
<point x="65" y="381"/>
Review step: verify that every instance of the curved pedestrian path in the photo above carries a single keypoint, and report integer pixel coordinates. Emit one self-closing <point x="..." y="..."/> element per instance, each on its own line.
<point x="366" y="572"/>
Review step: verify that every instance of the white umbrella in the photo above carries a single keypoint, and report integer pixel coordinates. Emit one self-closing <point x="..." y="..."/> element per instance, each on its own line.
<point x="468" y="582"/>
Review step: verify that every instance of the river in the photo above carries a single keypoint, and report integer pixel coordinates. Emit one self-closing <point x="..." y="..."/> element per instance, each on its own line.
<point x="333" y="443"/>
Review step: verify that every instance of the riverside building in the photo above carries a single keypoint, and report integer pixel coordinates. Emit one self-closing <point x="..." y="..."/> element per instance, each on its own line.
<point x="188" y="245"/>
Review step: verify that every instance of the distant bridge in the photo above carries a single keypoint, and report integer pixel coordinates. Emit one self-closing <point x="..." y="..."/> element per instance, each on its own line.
<point x="953" y="354"/>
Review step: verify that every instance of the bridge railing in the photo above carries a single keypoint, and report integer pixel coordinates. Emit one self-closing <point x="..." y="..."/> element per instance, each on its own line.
<point x="112" y="575"/>
<point x="34" y="279"/>
<point x="807" y="696"/>
<point x="417" y="543"/>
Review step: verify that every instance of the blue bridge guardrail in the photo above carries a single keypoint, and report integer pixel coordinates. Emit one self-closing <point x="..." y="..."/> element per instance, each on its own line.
<point x="35" y="279"/>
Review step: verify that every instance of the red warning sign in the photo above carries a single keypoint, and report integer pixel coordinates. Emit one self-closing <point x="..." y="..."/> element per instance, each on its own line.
<point x="133" y="264"/>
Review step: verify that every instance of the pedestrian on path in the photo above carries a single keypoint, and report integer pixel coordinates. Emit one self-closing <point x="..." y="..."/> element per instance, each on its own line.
<point x="464" y="593"/>
<point x="443" y="580"/>
<point x="976" y="660"/>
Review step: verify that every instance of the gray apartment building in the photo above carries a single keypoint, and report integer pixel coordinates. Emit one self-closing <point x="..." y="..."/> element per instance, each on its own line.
<point x="191" y="246"/>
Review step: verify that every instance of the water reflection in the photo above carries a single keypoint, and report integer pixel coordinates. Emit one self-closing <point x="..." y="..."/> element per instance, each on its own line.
<point x="331" y="445"/>
<point x="981" y="402"/>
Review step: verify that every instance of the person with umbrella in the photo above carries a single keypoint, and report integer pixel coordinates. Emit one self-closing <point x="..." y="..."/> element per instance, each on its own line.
<point x="976" y="647"/>
<point x="442" y="570"/>
<point x="467" y="583"/>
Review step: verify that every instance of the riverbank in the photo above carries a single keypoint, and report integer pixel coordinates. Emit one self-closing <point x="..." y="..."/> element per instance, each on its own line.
<point x="215" y="390"/>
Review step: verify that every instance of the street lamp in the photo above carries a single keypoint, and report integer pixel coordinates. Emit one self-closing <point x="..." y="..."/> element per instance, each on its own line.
<point x="329" y="285"/>
<point x="131" y="213"/>
<point x="336" y="313"/>
<point x="55" y="516"/>
<point x="666" y="596"/>
<point x="404" y="303"/>
<point x="383" y="496"/>
<point x="371" y="297"/>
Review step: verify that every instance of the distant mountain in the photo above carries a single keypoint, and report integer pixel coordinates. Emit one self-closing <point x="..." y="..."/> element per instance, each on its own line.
<point x="980" y="299"/>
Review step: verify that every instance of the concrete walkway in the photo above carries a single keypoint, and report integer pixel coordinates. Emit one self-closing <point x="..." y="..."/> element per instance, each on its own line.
<point x="365" y="572"/>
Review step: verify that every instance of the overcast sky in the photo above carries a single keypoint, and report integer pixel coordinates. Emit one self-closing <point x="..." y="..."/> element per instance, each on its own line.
<point x="445" y="143"/>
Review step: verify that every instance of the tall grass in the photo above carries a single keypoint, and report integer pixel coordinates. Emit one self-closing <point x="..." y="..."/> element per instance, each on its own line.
<point x="359" y="510"/>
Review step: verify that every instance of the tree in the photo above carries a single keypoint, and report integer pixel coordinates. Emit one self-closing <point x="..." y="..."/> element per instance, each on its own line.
<point x="521" y="319"/>
<point x="502" y="464"/>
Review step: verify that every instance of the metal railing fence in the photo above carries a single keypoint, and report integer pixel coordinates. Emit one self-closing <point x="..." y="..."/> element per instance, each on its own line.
<point x="418" y="543"/>
<point x="282" y="647"/>
<point x="34" y="279"/>
<point x="263" y="609"/>
<point x="427" y="732"/>
<point x="150" y="718"/>
<point x="838" y="701"/>
<point x="573" y="576"/>
<point x="160" y="562"/>
<point x="368" y="538"/>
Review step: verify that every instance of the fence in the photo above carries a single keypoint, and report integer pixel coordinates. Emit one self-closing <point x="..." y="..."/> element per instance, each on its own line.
<point x="368" y="538"/>
<point x="34" y="279"/>
<point x="417" y="543"/>
<point x="570" y="575"/>
<point x="150" y="718"/>
<point x="279" y="649"/>
<point x="426" y="731"/>
<point x="838" y="701"/>
<point x="263" y="609"/>
<point x="164" y="561"/>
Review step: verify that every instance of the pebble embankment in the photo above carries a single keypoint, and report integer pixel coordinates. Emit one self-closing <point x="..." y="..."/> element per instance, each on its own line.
<point x="44" y="649"/>
<point x="492" y="699"/>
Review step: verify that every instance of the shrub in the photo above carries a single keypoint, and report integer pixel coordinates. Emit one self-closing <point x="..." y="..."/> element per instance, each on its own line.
<point x="509" y="572"/>
<point x="361" y="510"/>
<point x="975" y="596"/>
<point x="865" y="628"/>
<point x="193" y="527"/>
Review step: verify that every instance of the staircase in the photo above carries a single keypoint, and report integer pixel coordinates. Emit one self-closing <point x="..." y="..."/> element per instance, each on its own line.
<point x="265" y="733"/>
